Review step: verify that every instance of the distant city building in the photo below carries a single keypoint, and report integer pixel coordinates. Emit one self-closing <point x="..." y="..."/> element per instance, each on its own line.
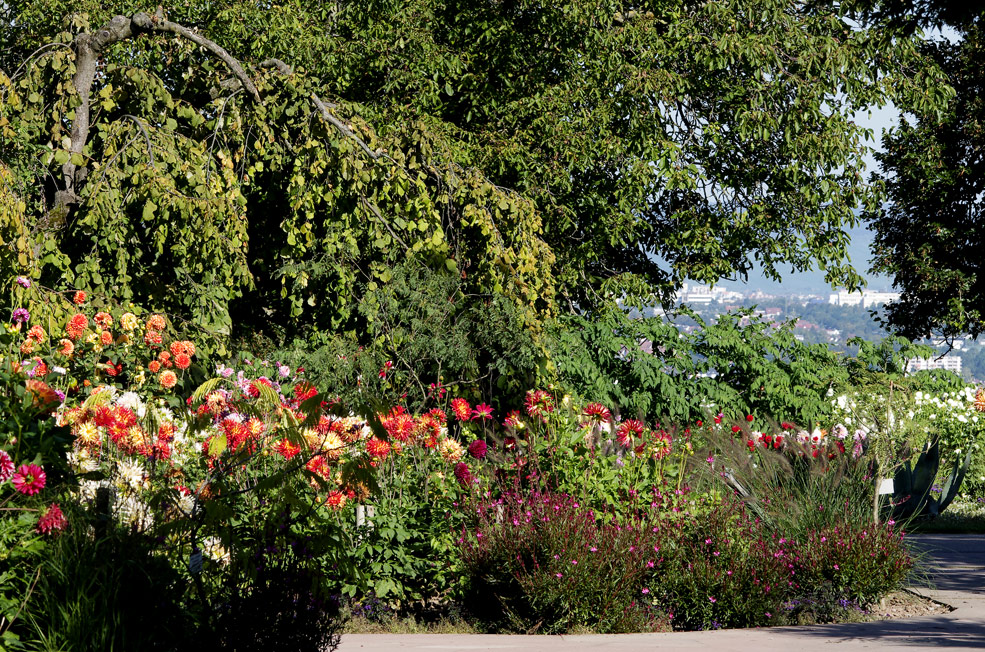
<point x="948" y="362"/>
<point x="695" y="294"/>
<point x="865" y="298"/>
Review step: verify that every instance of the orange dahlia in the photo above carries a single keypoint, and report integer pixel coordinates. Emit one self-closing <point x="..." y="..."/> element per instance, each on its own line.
<point x="79" y="298"/>
<point x="156" y="323"/>
<point x="336" y="500"/>
<point x="76" y="326"/>
<point x="103" y="319"/>
<point x="167" y="379"/>
<point x="37" y="333"/>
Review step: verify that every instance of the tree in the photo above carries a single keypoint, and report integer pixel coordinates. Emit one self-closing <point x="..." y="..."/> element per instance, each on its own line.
<point x="929" y="235"/>
<point x="155" y="167"/>
<point x="643" y="143"/>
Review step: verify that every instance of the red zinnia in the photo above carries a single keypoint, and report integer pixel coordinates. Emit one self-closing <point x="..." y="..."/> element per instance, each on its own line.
<point x="29" y="479"/>
<point x="52" y="520"/>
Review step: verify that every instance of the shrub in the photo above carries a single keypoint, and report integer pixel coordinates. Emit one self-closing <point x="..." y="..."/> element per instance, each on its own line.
<point x="720" y="568"/>
<point x="542" y="563"/>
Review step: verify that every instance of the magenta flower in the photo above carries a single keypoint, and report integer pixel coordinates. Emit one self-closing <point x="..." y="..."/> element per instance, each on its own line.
<point x="29" y="479"/>
<point x="482" y="412"/>
<point x="463" y="474"/>
<point x="52" y="520"/>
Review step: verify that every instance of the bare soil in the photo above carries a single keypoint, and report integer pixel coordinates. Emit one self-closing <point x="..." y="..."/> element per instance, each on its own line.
<point x="906" y="604"/>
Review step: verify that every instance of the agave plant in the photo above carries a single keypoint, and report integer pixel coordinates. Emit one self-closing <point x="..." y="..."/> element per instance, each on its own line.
<point x="912" y="484"/>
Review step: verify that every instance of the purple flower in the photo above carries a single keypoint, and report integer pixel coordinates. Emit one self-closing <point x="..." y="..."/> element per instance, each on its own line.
<point x="20" y="316"/>
<point x="24" y="282"/>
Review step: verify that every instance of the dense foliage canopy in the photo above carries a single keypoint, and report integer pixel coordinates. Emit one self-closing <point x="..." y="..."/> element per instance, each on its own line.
<point x="552" y="154"/>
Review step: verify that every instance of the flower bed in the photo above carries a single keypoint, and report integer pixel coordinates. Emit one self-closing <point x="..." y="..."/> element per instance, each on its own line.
<point x="248" y="487"/>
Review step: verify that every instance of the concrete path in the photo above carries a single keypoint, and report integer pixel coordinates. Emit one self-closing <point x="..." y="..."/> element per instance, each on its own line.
<point x="955" y="563"/>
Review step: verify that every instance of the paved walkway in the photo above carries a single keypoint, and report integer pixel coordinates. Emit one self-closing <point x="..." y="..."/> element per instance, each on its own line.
<point x="956" y="564"/>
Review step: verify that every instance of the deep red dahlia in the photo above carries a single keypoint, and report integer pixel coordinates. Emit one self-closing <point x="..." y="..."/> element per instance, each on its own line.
<point x="478" y="449"/>
<point x="463" y="474"/>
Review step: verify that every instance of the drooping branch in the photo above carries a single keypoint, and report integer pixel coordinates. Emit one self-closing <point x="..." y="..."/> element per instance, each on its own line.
<point x="157" y="23"/>
<point x="323" y="108"/>
<point x="327" y="115"/>
<point x="88" y="48"/>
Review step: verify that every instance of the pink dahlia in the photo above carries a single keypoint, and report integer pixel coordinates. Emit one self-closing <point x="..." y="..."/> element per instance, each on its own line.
<point x="29" y="479"/>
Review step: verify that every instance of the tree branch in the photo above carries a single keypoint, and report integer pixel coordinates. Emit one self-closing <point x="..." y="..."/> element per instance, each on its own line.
<point x="323" y="109"/>
<point x="88" y="48"/>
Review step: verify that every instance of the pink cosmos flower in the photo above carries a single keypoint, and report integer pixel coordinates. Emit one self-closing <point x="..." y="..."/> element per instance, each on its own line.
<point x="482" y="411"/>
